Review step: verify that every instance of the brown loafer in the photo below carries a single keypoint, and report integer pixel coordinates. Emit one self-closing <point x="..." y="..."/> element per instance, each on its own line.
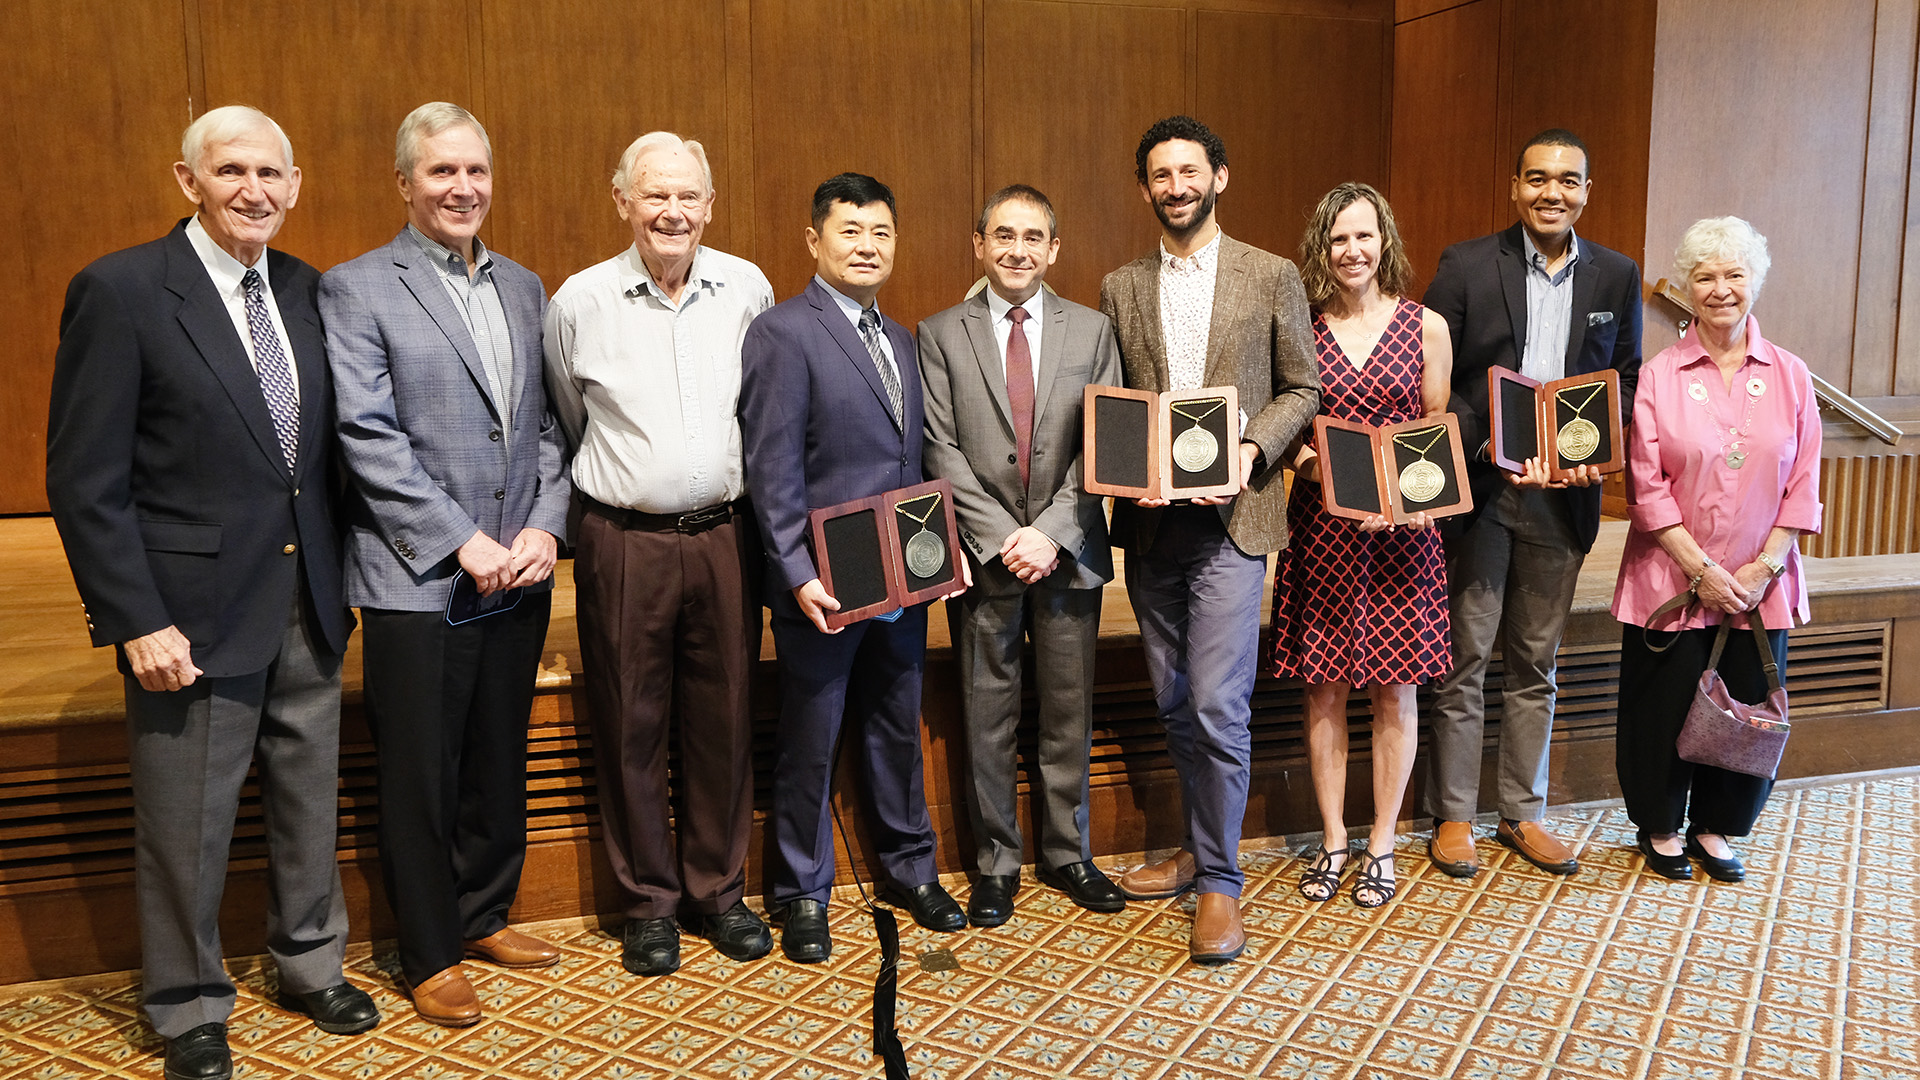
<point x="1538" y="846"/>
<point x="513" y="949"/>
<point x="1452" y="850"/>
<point x="446" y="999"/>
<point x="1217" y="934"/>
<point x="1157" y="881"/>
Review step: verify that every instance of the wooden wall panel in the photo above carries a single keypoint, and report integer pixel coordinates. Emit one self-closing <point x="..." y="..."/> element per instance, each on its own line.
<point x="339" y="78"/>
<point x="1302" y="105"/>
<point x="1876" y="322"/>
<point x="881" y="87"/>
<point x="1444" y="96"/>
<point x="1084" y="165"/>
<point x="1787" y="154"/>
<point x="86" y="176"/>
<point x="558" y="140"/>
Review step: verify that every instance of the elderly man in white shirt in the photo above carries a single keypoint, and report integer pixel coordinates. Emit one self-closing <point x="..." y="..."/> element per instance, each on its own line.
<point x="643" y="367"/>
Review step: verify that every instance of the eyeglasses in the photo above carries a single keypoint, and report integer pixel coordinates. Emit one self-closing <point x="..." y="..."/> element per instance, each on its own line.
<point x="1003" y="238"/>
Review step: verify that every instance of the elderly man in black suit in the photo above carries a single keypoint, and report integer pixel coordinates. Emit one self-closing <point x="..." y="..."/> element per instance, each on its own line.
<point x="189" y="467"/>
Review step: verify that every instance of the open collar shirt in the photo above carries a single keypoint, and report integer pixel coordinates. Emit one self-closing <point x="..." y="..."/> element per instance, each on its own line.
<point x="647" y="389"/>
<point x="1186" y="312"/>
<point x="1549" y="311"/>
<point x="478" y="302"/>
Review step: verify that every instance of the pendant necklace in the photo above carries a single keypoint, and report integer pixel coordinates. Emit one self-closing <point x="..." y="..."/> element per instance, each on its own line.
<point x="1195" y="449"/>
<point x="1422" y="481"/>
<point x="925" y="553"/>
<point x="1578" y="438"/>
<point x="1733" y="454"/>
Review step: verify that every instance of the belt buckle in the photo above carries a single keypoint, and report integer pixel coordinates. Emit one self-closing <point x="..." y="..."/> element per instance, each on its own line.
<point x="698" y="520"/>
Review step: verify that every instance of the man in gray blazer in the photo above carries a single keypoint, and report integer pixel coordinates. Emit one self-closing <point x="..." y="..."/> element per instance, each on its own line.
<point x="460" y="496"/>
<point x="1206" y="310"/>
<point x="1004" y="372"/>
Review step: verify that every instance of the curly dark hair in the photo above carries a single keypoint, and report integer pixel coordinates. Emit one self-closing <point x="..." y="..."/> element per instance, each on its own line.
<point x="1179" y="127"/>
<point x="1316" y="250"/>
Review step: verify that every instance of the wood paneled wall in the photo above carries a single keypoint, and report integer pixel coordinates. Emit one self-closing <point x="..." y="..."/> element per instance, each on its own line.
<point x="943" y="99"/>
<point x="1473" y="81"/>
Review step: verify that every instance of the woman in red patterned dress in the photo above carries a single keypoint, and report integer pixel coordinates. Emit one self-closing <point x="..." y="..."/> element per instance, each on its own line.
<point x="1362" y="604"/>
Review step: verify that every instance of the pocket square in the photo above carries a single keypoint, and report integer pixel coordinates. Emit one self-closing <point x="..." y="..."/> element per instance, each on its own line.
<point x="1599" y="318"/>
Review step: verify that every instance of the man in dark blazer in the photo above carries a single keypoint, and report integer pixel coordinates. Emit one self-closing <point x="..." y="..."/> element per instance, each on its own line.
<point x="830" y="410"/>
<point x="189" y="468"/>
<point x="460" y="497"/>
<point x="1206" y="310"/>
<point x="1004" y="428"/>
<point x="1538" y="300"/>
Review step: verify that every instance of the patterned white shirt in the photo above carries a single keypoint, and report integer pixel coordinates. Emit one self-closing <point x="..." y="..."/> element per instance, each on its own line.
<point x="1186" y="312"/>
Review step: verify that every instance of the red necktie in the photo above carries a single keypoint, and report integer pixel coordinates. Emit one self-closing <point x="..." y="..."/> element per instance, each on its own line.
<point x="1020" y="389"/>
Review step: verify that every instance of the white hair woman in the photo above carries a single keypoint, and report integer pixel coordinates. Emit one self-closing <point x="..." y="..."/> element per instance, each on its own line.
<point x="1724" y="476"/>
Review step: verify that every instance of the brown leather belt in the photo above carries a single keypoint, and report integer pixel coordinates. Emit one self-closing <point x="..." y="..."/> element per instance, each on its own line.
<point x="693" y="521"/>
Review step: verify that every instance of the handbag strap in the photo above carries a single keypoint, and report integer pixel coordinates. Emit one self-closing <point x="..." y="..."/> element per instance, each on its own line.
<point x="1759" y="627"/>
<point x="1679" y="602"/>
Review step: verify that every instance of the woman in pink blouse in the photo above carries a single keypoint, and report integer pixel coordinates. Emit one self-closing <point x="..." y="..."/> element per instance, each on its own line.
<point x="1724" y="475"/>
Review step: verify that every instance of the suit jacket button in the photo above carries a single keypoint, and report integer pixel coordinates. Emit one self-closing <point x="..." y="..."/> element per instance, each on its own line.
<point x="296" y="493"/>
<point x="288" y="550"/>
<point x="1013" y="459"/>
<point x="1021" y="503"/>
<point x="494" y="435"/>
<point x="500" y="493"/>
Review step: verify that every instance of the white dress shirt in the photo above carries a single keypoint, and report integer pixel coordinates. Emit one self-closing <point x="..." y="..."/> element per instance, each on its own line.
<point x="227" y="273"/>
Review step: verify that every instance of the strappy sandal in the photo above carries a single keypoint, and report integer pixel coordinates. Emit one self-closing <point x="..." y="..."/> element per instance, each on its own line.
<point x="1320" y="881"/>
<point x="1372" y="883"/>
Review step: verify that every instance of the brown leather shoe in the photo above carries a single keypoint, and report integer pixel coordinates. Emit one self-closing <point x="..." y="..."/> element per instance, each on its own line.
<point x="1217" y="934"/>
<point x="1157" y="881"/>
<point x="446" y="999"/>
<point x="511" y="948"/>
<point x="1452" y="850"/>
<point x="1538" y="846"/>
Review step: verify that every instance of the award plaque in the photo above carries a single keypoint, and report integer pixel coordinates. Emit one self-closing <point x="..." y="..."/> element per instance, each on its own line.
<point x="1181" y="444"/>
<point x="853" y="548"/>
<point x="1566" y="423"/>
<point x="925" y="541"/>
<point x="1395" y="472"/>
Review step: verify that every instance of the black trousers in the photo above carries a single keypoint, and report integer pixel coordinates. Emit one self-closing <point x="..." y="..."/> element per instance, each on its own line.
<point x="448" y="706"/>
<point x="1656" y="688"/>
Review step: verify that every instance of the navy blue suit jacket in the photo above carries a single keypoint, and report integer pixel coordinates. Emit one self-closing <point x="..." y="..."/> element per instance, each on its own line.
<point x="164" y="473"/>
<point x="1481" y="288"/>
<point x="817" y="427"/>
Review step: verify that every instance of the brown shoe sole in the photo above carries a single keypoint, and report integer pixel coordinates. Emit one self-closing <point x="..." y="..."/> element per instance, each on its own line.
<point x="1453" y="869"/>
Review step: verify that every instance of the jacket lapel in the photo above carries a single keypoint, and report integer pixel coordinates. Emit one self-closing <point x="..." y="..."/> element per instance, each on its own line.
<point x="1053" y="347"/>
<point x="1229" y="295"/>
<point x="203" y="315"/>
<point x="310" y="360"/>
<point x="827" y="310"/>
<point x="986" y="352"/>
<point x="1513" y="285"/>
<point x="1583" y="289"/>
<point x="424" y="282"/>
<point x="1146" y="297"/>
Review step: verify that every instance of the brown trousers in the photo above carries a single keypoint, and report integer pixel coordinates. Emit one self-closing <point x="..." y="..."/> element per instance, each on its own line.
<point x="667" y="631"/>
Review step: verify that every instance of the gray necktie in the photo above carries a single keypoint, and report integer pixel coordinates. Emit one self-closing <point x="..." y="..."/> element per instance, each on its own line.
<point x="870" y="334"/>
<point x="270" y="364"/>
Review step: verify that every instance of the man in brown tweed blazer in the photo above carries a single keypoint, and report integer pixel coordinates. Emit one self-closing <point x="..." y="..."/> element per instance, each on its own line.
<point x="1207" y="310"/>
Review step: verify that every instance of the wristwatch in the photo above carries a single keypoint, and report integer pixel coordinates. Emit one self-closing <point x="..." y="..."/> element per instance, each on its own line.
<point x="1775" y="567"/>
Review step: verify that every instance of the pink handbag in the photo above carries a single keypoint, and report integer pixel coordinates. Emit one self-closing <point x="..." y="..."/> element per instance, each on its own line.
<point x="1733" y="735"/>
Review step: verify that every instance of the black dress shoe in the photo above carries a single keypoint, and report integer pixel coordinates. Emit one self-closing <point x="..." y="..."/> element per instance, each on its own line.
<point x="930" y="905"/>
<point x="652" y="946"/>
<point x="804" y="937"/>
<point x="200" y="1054"/>
<point x="991" y="902"/>
<point x="1086" y="885"/>
<point x="341" y="1009"/>
<point x="1675" y="867"/>
<point x="738" y="933"/>
<point x="1729" y="870"/>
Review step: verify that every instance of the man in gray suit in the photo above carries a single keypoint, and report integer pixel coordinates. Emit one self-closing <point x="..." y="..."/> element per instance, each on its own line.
<point x="1005" y="431"/>
<point x="1207" y="310"/>
<point x="461" y="495"/>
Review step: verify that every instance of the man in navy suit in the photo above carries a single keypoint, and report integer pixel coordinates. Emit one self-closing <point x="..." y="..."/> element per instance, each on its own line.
<point x="830" y="409"/>
<point x="189" y="460"/>
<point x="1538" y="300"/>
<point x="458" y="473"/>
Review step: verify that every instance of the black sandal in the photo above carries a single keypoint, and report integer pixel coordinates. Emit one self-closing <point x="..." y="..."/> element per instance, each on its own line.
<point x="1320" y="881"/>
<point x="1371" y="882"/>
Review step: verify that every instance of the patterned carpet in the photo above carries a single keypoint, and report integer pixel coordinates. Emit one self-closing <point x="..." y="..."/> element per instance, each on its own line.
<point x="1806" y="970"/>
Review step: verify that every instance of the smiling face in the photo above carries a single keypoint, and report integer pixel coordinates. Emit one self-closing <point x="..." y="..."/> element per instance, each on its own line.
<point x="1550" y="193"/>
<point x="853" y="249"/>
<point x="244" y="188"/>
<point x="1016" y="249"/>
<point x="450" y="189"/>
<point x="1181" y="186"/>
<point x="668" y="208"/>
<point x="1722" y="292"/>
<point x="1354" y="247"/>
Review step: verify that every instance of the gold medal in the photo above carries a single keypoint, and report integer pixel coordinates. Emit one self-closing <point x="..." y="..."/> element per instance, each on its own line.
<point x="1578" y="438"/>
<point x="1422" y="481"/>
<point x="1196" y="449"/>
<point x="926" y="554"/>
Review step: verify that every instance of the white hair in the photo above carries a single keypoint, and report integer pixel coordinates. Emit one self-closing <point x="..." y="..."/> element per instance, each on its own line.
<point x="629" y="170"/>
<point x="1729" y="238"/>
<point x="424" y="123"/>
<point x="224" y="124"/>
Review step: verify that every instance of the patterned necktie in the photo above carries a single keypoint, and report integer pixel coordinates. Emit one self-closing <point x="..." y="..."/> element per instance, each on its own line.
<point x="270" y="364"/>
<point x="1020" y="390"/>
<point x="870" y="335"/>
